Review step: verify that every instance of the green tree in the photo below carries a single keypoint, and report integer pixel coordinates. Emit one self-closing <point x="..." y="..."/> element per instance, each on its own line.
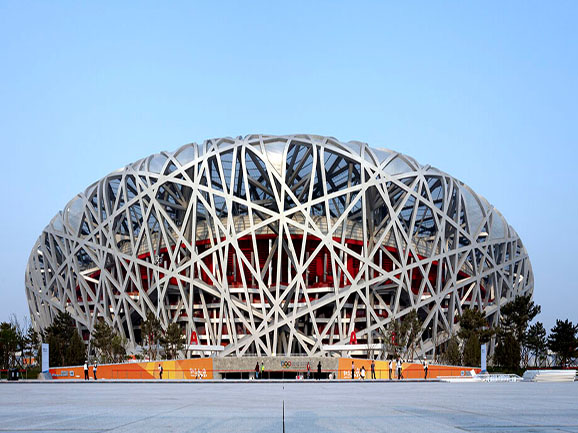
<point x="517" y="314"/>
<point x="118" y="347"/>
<point x="472" y="352"/>
<point x="66" y="346"/>
<point x="473" y="322"/>
<point x="401" y="336"/>
<point x="507" y="353"/>
<point x="452" y="355"/>
<point x="75" y="351"/>
<point x="563" y="342"/>
<point x="9" y="345"/>
<point x="394" y="339"/>
<point x="474" y="330"/>
<point x="173" y="340"/>
<point x="537" y="343"/>
<point x="101" y="341"/>
<point x="515" y="317"/>
<point x="413" y="328"/>
<point x="152" y="332"/>
<point x="32" y="344"/>
<point x="110" y="346"/>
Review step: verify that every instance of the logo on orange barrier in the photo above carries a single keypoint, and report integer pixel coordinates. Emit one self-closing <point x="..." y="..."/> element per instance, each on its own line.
<point x="198" y="373"/>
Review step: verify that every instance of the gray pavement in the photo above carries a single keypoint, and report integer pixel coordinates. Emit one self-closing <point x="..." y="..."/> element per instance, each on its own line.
<point x="309" y="407"/>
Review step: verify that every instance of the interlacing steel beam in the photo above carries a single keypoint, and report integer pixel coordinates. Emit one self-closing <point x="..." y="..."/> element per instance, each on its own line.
<point x="276" y="245"/>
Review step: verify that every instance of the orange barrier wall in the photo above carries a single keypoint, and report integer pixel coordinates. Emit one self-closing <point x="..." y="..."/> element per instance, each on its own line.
<point x="408" y="370"/>
<point x="201" y="368"/>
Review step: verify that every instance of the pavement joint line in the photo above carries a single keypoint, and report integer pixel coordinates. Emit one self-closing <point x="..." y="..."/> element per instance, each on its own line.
<point x="162" y="413"/>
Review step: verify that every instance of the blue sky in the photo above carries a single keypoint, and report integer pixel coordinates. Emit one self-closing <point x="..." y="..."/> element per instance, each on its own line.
<point x="487" y="92"/>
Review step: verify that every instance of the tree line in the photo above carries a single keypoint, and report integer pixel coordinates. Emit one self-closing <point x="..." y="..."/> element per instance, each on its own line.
<point x="518" y="343"/>
<point x="20" y="346"/>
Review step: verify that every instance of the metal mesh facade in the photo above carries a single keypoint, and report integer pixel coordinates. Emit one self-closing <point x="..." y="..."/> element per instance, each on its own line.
<point x="276" y="245"/>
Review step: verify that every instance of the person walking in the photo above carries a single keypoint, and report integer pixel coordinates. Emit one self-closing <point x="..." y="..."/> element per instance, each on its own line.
<point x="85" y="370"/>
<point x="319" y="370"/>
<point x="257" y="370"/>
<point x="308" y="370"/>
<point x="425" y="367"/>
<point x="399" y="376"/>
<point x="373" y="368"/>
<point x="352" y="370"/>
<point x="390" y="367"/>
<point x="160" y="371"/>
<point x="94" y="369"/>
<point x="262" y="370"/>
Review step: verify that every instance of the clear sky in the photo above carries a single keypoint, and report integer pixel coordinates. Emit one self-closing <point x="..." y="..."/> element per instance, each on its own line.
<point x="487" y="92"/>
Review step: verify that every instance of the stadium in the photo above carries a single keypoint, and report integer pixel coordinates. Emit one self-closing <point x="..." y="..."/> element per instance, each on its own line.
<point x="272" y="246"/>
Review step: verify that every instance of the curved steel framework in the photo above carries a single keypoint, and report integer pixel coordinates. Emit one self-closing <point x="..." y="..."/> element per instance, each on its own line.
<point x="276" y="245"/>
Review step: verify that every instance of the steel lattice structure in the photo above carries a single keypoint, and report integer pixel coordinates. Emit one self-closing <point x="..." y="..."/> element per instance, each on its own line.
<point x="276" y="245"/>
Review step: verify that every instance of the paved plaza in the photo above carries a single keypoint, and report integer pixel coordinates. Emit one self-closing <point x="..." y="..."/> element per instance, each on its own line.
<point x="309" y="407"/>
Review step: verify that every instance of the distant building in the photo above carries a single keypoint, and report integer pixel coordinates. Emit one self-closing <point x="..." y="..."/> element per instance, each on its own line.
<point x="276" y="246"/>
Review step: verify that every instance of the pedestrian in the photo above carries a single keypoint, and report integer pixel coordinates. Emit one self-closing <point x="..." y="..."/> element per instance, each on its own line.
<point x="362" y="372"/>
<point x="94" y="370"/>
<point x="399" y="375"/>
<point x="425" y="366"/>
<point x="390" y="367"/>
<point x="319" y="370"/>
<point x="352" y="370"/>
<point x="257" y="370"/>
<point x="308" y="370"/>
<point x="85" y="370"/>
<point x="262" y="370"/>
<point x="160" y="371"/>
<point x="373" y="368"/>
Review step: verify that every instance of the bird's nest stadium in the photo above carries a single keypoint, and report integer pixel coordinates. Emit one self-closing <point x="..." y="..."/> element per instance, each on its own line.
<point x="276" y="246"/>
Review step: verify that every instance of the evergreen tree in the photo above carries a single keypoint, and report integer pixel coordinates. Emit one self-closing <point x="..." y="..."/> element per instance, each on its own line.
<point x="507" y="352"/>
<point x="152" y="332"/>
<point x="401" y="336"/>
<point x="562" y="341"/>
<point x="452" y="354"/>
<point x="474" y="330"/>
<point x="173" y="340"/>
<point x="517" y="314"/>
<point x="101" y="340"/>
<point x="110" y="346"/>
<point x="536" y="342"/>
<point x="75" y="352"/>
<point x="66" y="346"/>
<point x="472" y="351"/>
<point x="32" y="344"/>
<point x="512" y="335"/>
<point x="413" y="325"/>
<point x="9" y="345"/>
<point x="118" y="348"/>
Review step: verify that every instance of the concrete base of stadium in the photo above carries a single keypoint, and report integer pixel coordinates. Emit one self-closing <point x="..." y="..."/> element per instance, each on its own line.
<point x="286" y="367"/>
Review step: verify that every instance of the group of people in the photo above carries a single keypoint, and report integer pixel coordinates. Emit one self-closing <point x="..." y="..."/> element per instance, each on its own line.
<point x="399" y="364"/>
<point x="259" y="371"/>
<point x="362" y="370"/>
<point x="94" y="368"/>
<point x="309" y="370"/>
